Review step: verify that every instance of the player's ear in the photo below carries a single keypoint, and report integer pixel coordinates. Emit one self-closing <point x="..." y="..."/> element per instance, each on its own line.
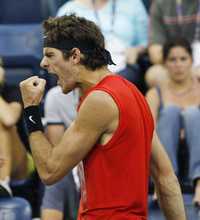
<point x="76" y="55"/>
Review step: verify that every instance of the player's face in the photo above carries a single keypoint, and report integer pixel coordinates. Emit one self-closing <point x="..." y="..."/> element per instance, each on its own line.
<point x="54" y="62"/>
<point x="179" y="63"/>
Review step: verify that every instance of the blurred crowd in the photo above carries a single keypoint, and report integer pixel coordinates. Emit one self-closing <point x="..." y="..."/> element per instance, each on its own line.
<point x="154" y="44"/>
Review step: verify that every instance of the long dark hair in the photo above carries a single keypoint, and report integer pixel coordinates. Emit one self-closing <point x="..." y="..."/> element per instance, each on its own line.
<point x="176" y="42"/>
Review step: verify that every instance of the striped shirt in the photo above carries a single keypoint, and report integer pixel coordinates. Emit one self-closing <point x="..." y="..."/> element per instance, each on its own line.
<point x="165" y="22"/>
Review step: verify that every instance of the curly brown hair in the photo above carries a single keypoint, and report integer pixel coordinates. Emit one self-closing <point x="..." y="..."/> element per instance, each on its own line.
<point x="74" y="28"/>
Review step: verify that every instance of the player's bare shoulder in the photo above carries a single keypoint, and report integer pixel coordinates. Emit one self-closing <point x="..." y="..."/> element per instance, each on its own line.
<point x="99" y="101"/>
<point x="100" y="107"/>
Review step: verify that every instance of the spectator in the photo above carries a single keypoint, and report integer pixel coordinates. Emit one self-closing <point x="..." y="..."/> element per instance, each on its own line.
<point x="111" y="16"/>
<point x="170" y="19"/>
<point x="60" y="199"/>
<point x="15" y="162"/>
<point x="175" y="106"/>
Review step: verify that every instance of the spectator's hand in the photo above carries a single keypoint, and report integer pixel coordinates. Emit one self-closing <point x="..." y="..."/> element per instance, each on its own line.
<point x="155" y="76"/>
<point x="132" y="54"/>
<point x="155" y="54"/>
<point x="32" y="90"/>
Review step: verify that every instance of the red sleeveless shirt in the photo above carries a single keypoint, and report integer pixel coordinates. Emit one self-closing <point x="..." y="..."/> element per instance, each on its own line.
<point x="114" y="176"/>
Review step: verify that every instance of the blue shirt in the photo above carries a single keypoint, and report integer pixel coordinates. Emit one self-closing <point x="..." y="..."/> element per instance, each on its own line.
<point x="130" y="23"/>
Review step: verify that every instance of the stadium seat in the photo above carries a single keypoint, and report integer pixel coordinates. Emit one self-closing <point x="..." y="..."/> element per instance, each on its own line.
<point x="15" y="209"/>
<point x="24" y="11"/>
<point x="21" y="50"/>
<point x="31" y="190"/>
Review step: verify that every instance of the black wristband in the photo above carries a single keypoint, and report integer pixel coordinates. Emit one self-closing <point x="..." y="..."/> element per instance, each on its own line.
<point x="33" y="119"/>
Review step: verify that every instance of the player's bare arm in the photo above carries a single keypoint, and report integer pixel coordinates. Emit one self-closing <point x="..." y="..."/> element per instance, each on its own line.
<point x="55" y="133"/>
<point x="91" y="125"/>
<point x="166" y="183"/>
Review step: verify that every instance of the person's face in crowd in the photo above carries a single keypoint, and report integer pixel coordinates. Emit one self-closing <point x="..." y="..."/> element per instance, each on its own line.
<point x="55" y="63"/>
<point x="179" y="63"/>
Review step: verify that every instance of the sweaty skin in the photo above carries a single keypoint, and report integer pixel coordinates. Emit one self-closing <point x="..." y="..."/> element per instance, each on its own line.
<point x="54" y="162"/>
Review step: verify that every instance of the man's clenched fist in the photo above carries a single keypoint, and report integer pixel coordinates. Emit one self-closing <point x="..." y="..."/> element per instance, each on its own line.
<point x="32" y="90"/>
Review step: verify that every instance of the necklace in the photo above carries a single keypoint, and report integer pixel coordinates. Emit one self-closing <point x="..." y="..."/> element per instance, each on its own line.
<point x="182" y="93"/>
